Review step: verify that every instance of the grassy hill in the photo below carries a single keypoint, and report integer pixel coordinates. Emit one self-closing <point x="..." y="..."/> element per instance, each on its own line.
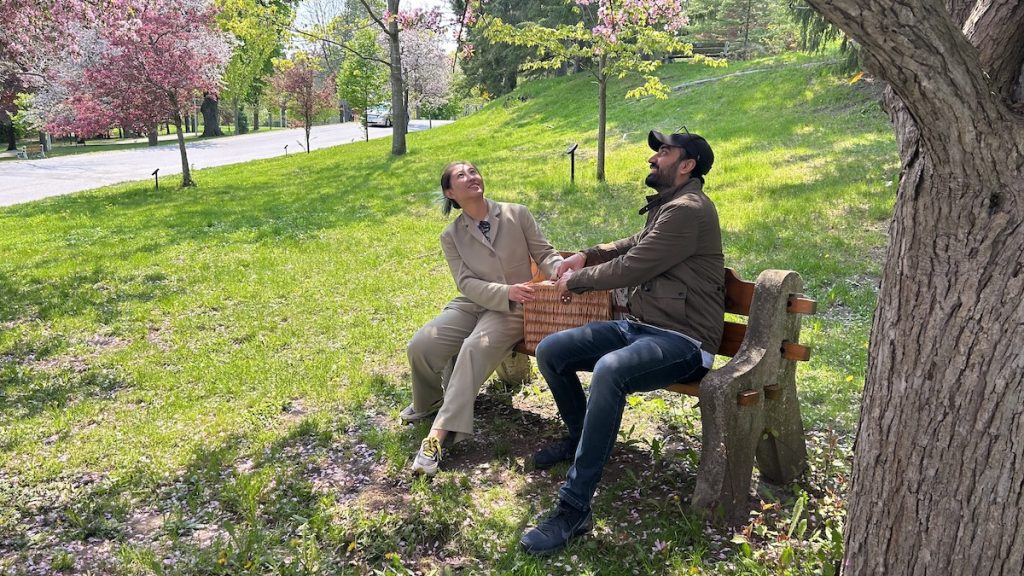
<point x="207" y="380"/>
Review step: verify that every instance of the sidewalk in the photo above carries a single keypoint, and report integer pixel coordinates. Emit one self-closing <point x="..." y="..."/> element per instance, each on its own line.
<point x="27" y="180"/>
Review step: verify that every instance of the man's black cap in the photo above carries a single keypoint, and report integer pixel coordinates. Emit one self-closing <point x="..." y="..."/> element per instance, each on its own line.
<point x="696" y="147"/>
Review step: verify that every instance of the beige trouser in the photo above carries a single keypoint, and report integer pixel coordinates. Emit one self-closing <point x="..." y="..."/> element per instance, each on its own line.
<point x="481" y="338"/>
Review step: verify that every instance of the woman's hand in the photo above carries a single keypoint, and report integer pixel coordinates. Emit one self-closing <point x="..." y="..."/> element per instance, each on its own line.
<point x="571" y="264"/>
<point x="521" y="293"/>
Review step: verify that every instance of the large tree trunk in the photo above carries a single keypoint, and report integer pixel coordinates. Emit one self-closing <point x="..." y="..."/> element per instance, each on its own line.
<point x="7" y="132"/>
<point x="211" y="116"/>
<point x="938" y="478"/>
<point x="400" y="124"/>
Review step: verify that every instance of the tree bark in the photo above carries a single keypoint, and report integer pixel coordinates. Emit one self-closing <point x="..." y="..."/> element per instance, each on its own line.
<point x="211" y="116"/>
<point x="399" y="125"/>
<point x="186" y="173"/>
<point x="602" y="117"/>
<point x="256" y="116"/>
<point x="938" y="475"/>
<point x="7" y="132"/>
<point x="308" y="125"/>
<point x="153" y="136"/>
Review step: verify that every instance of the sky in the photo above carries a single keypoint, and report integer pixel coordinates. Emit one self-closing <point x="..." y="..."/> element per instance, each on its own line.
<point x="308" y="9"/>
<point x="307" y="6"/>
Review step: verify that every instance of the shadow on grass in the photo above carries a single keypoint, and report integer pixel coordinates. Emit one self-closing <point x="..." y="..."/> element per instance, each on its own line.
<point x="321" y="497"/>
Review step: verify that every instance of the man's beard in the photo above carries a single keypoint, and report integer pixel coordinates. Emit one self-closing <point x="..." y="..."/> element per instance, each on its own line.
<point x="662" y="179"/>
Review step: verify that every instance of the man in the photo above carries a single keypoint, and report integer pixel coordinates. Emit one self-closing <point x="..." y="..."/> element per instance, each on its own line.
<point x="675" y="271"/>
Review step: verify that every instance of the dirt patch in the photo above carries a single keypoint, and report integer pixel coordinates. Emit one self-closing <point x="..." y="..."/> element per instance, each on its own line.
<point x="159" y="336"/>
<point x="99" y="345"/>
<point x="144" y="524"/>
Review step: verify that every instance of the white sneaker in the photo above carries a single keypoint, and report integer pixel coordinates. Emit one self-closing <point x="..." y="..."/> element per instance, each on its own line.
<point x="428" y="457"/>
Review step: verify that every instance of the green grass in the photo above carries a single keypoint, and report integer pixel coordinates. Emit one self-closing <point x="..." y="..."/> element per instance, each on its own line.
<point x="206" y="381"/>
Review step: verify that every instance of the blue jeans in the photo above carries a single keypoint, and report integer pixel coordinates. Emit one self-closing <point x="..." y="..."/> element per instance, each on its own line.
<point x="625" y="357"/>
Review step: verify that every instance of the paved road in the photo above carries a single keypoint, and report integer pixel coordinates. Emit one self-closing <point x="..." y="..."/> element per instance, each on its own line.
<point x="27" y="180"/>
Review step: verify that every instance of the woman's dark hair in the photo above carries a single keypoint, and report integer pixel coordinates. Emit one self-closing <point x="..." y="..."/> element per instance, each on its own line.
<point x="446" y="183"/>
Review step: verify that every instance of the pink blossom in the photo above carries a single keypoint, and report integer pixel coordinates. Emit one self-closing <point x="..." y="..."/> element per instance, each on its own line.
<point x="138" y="63"/>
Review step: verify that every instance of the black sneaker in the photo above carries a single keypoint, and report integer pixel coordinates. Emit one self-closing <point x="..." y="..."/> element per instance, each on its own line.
<point x="553" y="534"/>
<point x="562" y="451"/>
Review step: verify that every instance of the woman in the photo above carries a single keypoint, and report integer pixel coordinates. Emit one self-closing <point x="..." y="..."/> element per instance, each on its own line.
<point x="488" y="247"/>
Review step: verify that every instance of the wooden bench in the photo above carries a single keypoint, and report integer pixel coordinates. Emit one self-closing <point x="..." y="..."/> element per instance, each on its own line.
<point x="31" y="151"/>
<point x="749" y="406"/>
<point x="710" y="49"/>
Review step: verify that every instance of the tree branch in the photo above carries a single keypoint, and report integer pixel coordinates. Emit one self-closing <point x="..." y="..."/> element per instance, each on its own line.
<point x="341" y="45"/>
<point x="369" y="11"/>
<point x="996" y="29"/>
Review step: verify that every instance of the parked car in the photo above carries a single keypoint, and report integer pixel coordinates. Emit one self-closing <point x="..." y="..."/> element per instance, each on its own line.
<point x="379" y="116"/>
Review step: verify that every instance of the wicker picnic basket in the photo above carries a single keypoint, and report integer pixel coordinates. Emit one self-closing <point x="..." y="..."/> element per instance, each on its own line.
<point x="552" y="310"/>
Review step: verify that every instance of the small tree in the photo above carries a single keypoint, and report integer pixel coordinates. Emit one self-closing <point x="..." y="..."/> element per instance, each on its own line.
<point x="617" y="38"/>
<point x="363" y="79"/>
<point x="305" y="89"/>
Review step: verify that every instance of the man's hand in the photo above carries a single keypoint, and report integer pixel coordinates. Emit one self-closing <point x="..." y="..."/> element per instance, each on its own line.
<point x="570" y="264"/>
<point x="521" y="293"/>
<point x="563" y="282"/>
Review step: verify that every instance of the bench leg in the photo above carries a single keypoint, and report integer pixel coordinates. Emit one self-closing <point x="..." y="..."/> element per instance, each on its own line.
<point x="730" y="436"/>
<point x="782" y="451"/>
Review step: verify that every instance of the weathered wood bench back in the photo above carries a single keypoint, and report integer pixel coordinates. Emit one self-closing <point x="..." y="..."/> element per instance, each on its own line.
<point x="749" y="406"/>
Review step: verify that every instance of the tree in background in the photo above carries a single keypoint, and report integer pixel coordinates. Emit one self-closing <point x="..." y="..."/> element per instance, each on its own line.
<point x="307" y="91"/>
<point x="363" y="79"/>
<point x="427" y="68"/>
<point x="10" y="91"/>
<point x="938" y="470"/>
<point x="611" y="38"/>
<point x="748" y="26"/>
<point x="137" y="64"/>
<point x="260" y="27"/>
<point x="494" y="67"/>
<point x="817" y="34"/>
<point x="388" y="22"/>
<point x="32" y="41"/>
<point x="328" y="31"/>
<point x="392" y="22"/>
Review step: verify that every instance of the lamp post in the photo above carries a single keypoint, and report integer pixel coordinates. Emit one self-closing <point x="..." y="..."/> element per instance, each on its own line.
<point x="156" y="178"/>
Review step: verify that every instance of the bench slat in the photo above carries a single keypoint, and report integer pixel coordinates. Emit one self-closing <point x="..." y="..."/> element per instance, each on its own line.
<point x="732" y="336"/>
<point x="798" y="304"/>
<point x="738" y="294"/>
<point x="798" y="352"/>
<point x="690" y="388"/>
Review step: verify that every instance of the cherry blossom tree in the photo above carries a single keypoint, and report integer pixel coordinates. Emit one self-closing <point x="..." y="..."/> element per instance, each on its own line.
<point x="137" y="63"/>
<point x="612" y="38"/>
<point x="427" y="68"/>
<point x="305" y="89"/>
<point x="31" y="34"/>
